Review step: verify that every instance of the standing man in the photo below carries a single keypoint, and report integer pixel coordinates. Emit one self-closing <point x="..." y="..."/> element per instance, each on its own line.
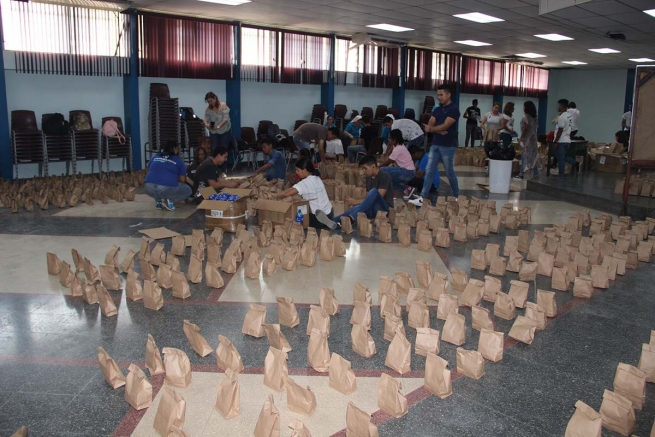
<point x="562" y="135"/>
<point x="575" y="118"/>
<point x="626" y="120"/>
<point x="276" y="165"/>
<point x="412" y="132"/>
<point x="472" y="116"/>
<point x="444" y="142"/>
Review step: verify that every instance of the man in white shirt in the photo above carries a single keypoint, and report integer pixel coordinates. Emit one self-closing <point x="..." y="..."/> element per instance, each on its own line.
<point x="412" y="132"/>
<point x="575" y="118"/>
<point x="333" y="145"/>
<point x="626" y="120"/>
<point x="562" y="134"/>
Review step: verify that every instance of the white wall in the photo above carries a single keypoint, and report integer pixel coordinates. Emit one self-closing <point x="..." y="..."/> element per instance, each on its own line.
<point x="599" y="95"/>
<point x="355" y="97"/>
<point x="281" y="103"/>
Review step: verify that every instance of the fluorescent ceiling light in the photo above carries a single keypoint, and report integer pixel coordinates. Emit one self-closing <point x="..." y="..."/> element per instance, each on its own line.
<point x="574" y="62"/>
<point x="554" y="37"/>
<point x="390" y="27"/>
<point x="643" y="59"/>
<point x="650" y="12"/>
<point x="227" y="2"/>
<point x="470" y="42"/>
<point x="605" y="50"/>
<point x="530" y="55"/>
<point x="478" y="17"/>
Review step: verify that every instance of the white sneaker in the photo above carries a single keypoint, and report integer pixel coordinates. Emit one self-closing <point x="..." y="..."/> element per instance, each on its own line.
<point x="417" y="202"/>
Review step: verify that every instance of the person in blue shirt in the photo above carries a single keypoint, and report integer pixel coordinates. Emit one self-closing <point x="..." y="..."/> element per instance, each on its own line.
<point x="416" y="184"/>
<point x="276" y="165"/>
<point x="329" y="122"/>
<point x="353" y="131"/>
<point x="443" y="124"/>
<point x="166" y="178"/>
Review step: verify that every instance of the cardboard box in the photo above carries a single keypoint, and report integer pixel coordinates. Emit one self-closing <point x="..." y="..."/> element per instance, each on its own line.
<point x="225" y="215"/>
<point x="608" y="163"/>
<point x="276" y="211"/>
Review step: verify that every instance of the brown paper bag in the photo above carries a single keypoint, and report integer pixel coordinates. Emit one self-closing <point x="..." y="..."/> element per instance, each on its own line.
<point x="229" y="264"/>
<point x="424" y="273"/>
<point x="254" y="320"/>
<point x="415" y="295"/>
<point x="154" y="363"/>
<point x="447" y="303"/>
<point x="504" y="307"/>
<point x="89" y="294"/>
<point x="198" y="342"/>
<point x="77" y="287"/>
<point x="54" y="264"/>
<point x="300" y="399"/>
<point x="107" y="305"/>
<point x="491" y="344"/>
<point x="22" y="432"/>
<point x="454" y="330"/>
<point x="66" y="274"/>
<point x="133" y="288"/>
<point x="384" y="233"/>
<point x="515" y="262"/>
<point x="438" y="286"/>
<point x="391" y="324"/>
<point x="111" y="258"/>
<point x="537" y="314"/>
<point x="390" y="400"/>
<point x="358" y="423"/>
<point x="545" y="264"/>
<point x="498" y="266"/>
<point x="170" y="413"/>
<point x="621" y="263"/>
<point x="617" y="413"/>
<point x="181" y="288"/>
<point x="318" y="352"/>
<point x="253" y="266"/>
<point x="346" y="225"/>
<point x="164" y="276"/>
<point x="459" y="280"/>
<point x="534" y="251"/>
<point x="178" y="247"/>
<point x="425" y="241"/>
<point x="403" y="282"/>
<point x="630" y="383"/>
<point x="194" y="273"/>
<point x="110" y="371"/>
<point x="361" y="314"/>
<point x="438" y="379"/>
<point x="523" y="241"/>
<point x="228" y="397"/>
<point x="599" y="277"/>
<point x="399" y="353"/>
<point x="460" y="233"/>
<point x="546" y="300"/>
<point x="443" y="238"/>
<point x="213" y="277"/>
<point x="290" y="258"/>
<point x="584" y="422"/>
<point x="478" y="260"/>
<point x="138" y="390"/>
<point x="227" y="356"/>
<point x="491" y="287"/>
<point x="482" y="319"/>
<point x="362" y="294"/>
<point x="78" y="260"/>
<point x="427" y="341"/>
<point x="404" y="235"/>
<point x="366" y="229"/>
<point x="583" y="287"/>
<point x="158" y="256"/>
<point x="523" y="330"/>
<point x="269" y="265"/>
<point x="147" y="270"/>
<point x="339" y="246"/>
<point x="472" y="295"/>
<point x="528" y="271"/>
<point x="559" y="279"/>
<point x="518" y="291"/>
<point x="276" y="371"/>
<point x="177" y="366"/>
<point x="328" y="302"/>
<point x="647" y="361"/>
<point x="341" y="376"/>
<point x="511" y="245"/>
<point x="213" y="252"/>
<point x="276" y="338"/>
<point x="362" y="342"/>
<point x="419" y="316"/>
<point x="470" y="363"/>
<point x="268" y="422"/>
<point x="326" y="249"/>
<point x="287" y="314"/>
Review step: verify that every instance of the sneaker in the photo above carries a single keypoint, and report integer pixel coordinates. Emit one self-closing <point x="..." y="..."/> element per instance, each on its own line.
<point x="325" y="220"/>
<point x="408" y="192"/>
<point x="169" y="205"/>
<point x="519" y="177"/>
<point x="158" y="204"/>
<point x="417" y="202"/>
<point x="554" y="171"/>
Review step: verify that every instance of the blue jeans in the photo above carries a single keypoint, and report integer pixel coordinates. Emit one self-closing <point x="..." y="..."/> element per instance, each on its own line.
<point x="418" y="141"/>
<point x="174" y="194"/>
<point x="371" y="204"/>
<point x="220" y="140"/>
<point x="560" y="154"/>
<point x="445" y="154"/>
<point x="399" y="176"/>
<point x="300" y="144"/>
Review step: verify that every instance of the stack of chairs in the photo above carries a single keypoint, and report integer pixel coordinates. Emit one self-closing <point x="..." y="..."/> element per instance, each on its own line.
<point x="164" y="117"/>
<point x="58" y="148"/>
<point x="113" y="148"/>
<point x="380" y="112"/>
<point x="27" y="141"/>
<point x="86" y="143"/>
<point x="340" y="112"/>
<point x="318" y="112"/>
<point x="428" y="104"/>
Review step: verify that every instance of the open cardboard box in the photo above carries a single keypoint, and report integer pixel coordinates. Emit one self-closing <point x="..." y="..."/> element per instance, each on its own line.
<point x="276" y="211"/>
<point x="610" y="163"/>
<point x="225" y="215"/>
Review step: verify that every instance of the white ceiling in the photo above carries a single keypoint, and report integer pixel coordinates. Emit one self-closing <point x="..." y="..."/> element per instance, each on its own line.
<point x="436" y="28"/>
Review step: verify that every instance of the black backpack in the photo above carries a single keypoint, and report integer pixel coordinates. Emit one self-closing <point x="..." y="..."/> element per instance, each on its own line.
<point x="273" y="130"/>
<point x="56" y="125"/>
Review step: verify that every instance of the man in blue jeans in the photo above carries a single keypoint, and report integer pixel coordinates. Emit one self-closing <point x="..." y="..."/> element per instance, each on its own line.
<point x="379" y="188"/>
<point x="563" y="135"/>
<point x="444" y="142"/>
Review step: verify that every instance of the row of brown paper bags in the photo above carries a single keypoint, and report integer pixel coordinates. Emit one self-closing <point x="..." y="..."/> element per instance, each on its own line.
<point x="617" y="411"/>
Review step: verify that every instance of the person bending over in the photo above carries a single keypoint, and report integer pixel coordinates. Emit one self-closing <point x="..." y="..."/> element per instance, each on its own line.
<point x="276" y="165"/>
<point x="166" y="178"/>
<point x="209" y="172"/>
<point x="404" y="170"/>
<point x="311" y="188"/>
<point x="416" y="183"/>
<point x="379" y="189"/>
<point x="411" y="131"/>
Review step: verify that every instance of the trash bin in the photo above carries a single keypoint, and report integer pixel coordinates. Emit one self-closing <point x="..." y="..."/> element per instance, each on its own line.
<point x="500" y="176"/>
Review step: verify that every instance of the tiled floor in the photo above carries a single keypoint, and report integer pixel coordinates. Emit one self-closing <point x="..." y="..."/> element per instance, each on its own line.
<point x="50" y="382"/>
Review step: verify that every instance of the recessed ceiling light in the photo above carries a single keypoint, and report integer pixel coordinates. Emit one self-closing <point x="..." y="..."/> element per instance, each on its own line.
<point x="574" y="62"/>
<point x="478" y="17"/>
<point x="554" y="37"/>
<point x="227" y="2"/>
<point x="390" y="27"/>
<point x="605" y="50"/>
<point x="470" y="42"/>
<point x="530" y="55"/>
<point x="650" y="12"/>
<point x="642" y="59"/>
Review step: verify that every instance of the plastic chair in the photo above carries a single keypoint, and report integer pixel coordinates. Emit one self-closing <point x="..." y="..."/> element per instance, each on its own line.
<point x="394" y="112"/>
<point x="298" y="124"/>
<point x="367" y="112"/>
<point x="380" y="112"/>
<point x="27" y="142"/>
<point x="160" y="91"/>
<point x="86" y="143"/>
<point x="428" y="104"/>
<point x="59" y="148"/>
<point x="410" y="114"/>
<point x="112" y="147"/>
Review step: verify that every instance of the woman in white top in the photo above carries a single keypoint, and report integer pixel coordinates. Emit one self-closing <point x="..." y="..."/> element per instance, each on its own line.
<point x="507" y="125"/>
<point x="490" y="125"/>
<point x="311" y="188"/>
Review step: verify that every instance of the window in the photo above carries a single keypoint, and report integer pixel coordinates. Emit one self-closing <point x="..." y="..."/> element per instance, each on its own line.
<point x="427" y="69"/>
<point x="347" y="56"/>
<point x="525" y="81"/>
<point x="366" y="65"/>
<point x="259" y="55"/>
<point x="49" y="38"/>
<point x="482" y="76"/>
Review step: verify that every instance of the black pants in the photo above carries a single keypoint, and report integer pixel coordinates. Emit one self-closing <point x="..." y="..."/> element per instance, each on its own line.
<point x="416" y="183"/>
<point x="314" y="223"/>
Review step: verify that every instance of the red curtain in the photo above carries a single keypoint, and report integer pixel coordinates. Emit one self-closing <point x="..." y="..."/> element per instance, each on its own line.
<point x="526" y="81"/>
<point x="427" y="69"/>
<point x="185" y="47"/>
<point x="381" y="67"/>
<point x="482" y="76"/>
<point x="305" y="58"/>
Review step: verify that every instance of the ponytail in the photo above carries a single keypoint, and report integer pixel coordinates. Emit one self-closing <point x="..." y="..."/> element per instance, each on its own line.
<point x="307" y="165"/>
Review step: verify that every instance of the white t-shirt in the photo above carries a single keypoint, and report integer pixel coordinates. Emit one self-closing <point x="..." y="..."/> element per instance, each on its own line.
<point x="628" y="119"/>
<point x="311" y="188"/>
<point x="564" y="122"/>
<point x="509" y="124"/>
<point x="493" y="121"/>
<point x="410" y="129"/>
<point x="575" y="118"/>
<point x="334" y="147"/>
